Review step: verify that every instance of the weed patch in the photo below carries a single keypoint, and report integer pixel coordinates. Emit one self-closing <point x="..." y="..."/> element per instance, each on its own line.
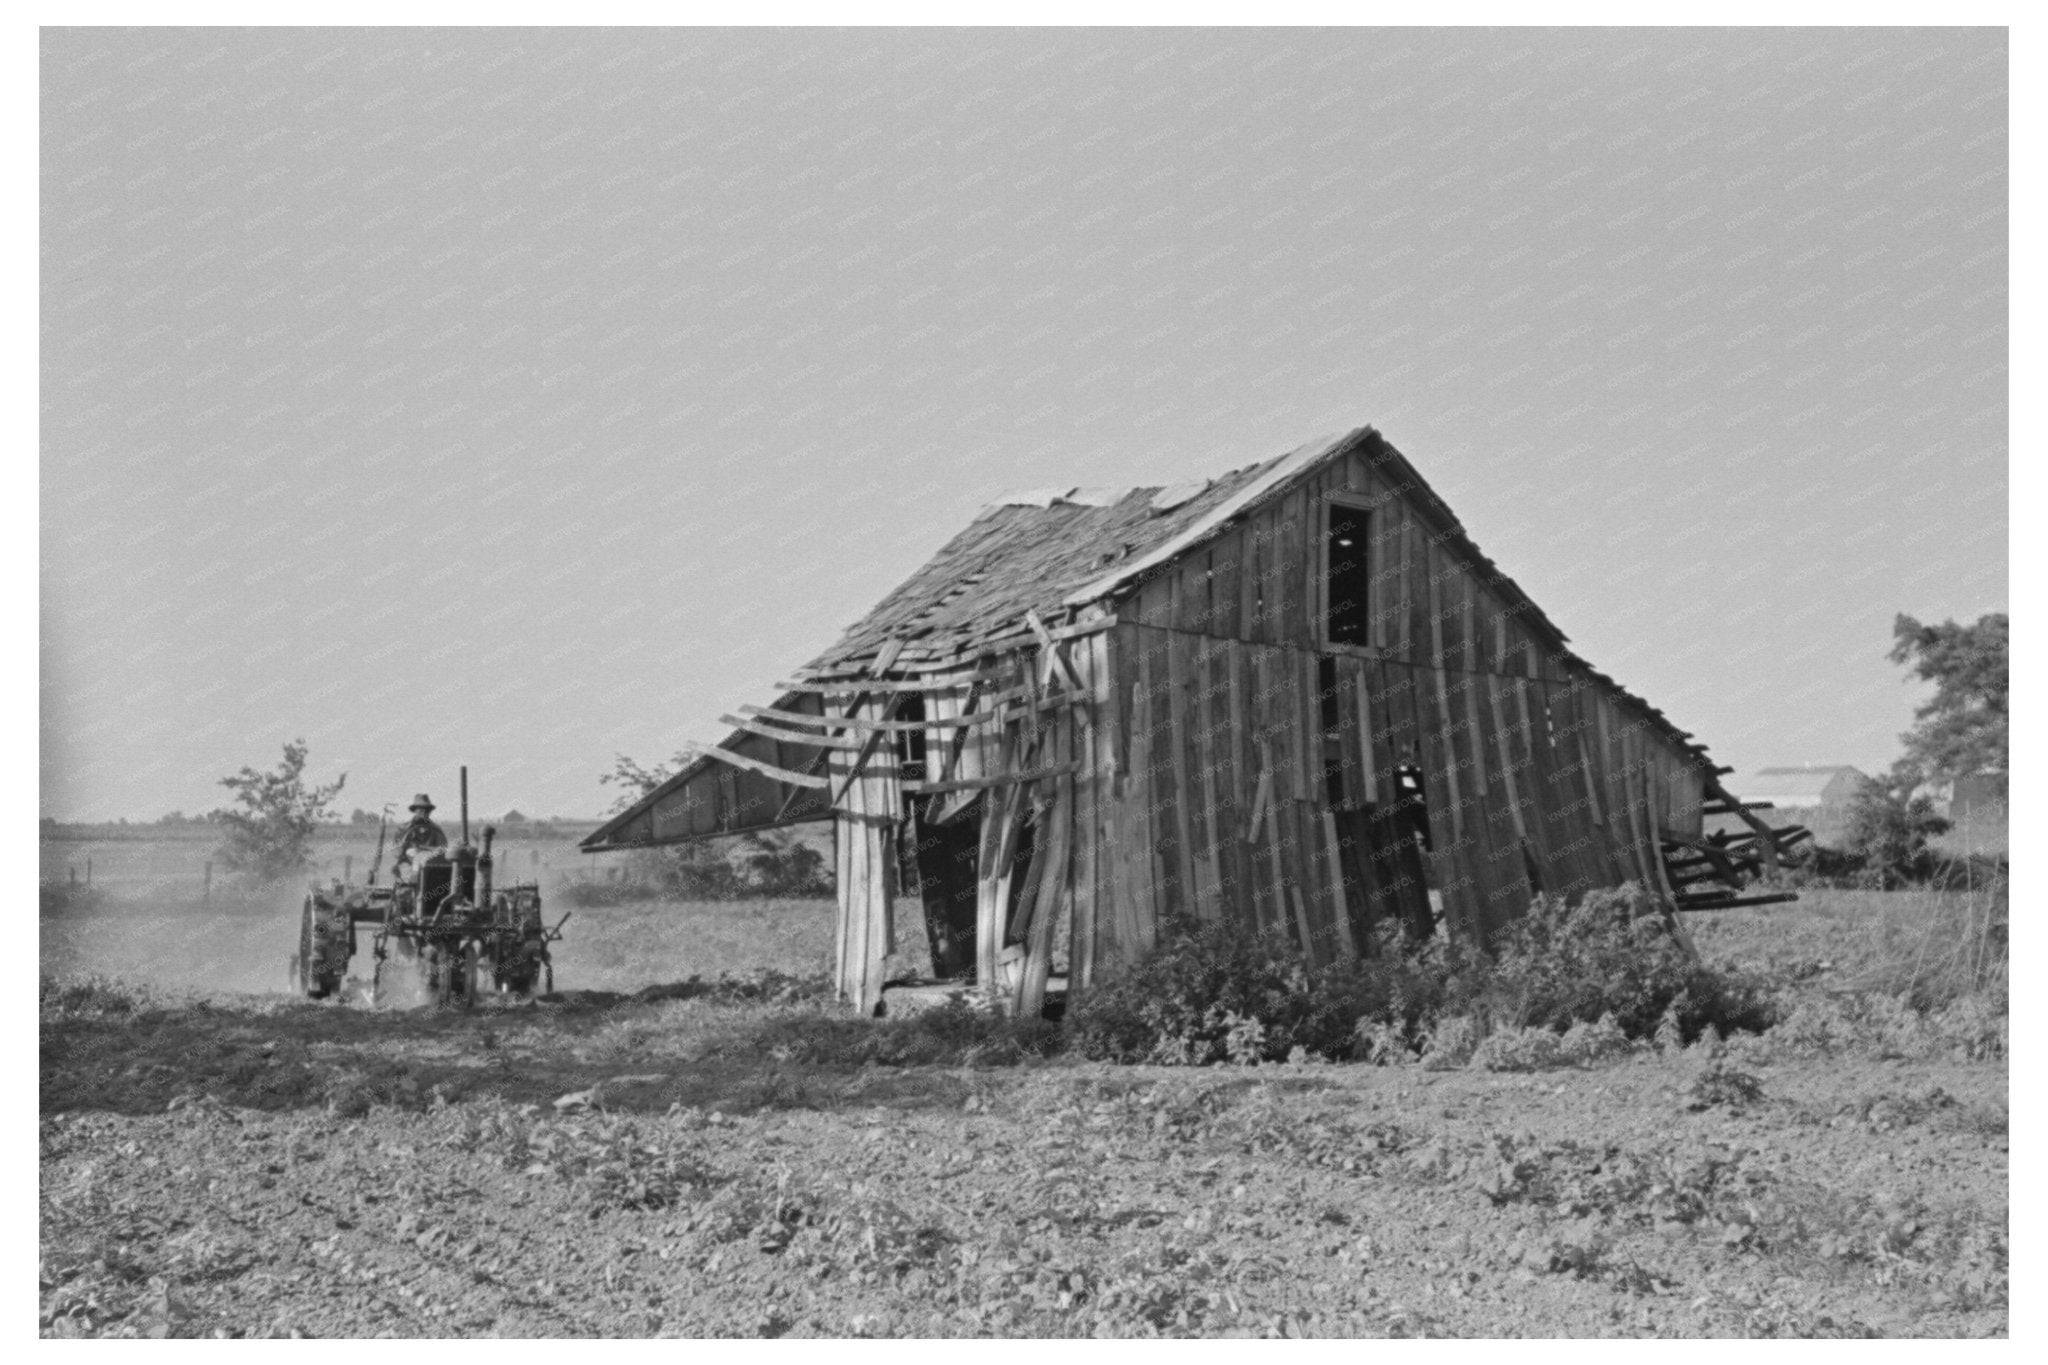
<point x="1600" y="973"/>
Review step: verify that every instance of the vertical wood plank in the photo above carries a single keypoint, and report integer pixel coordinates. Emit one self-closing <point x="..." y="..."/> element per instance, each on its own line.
<point x="1052" y="872"/>
<point x="1293" y="628"/>
<point x="1347" y="942"/>
<point x="1182" y="773"/>
<point x="1309" y="713"/>
<point x="1087" y="888"/>
<point x="1271" y="523"/>
<point x="1368" y="685"/>
<point x="1226" y="813"/>
<point x="1226" y="587"/>
<point x="1422" y="593"/>
<point x="1353" y="741"/>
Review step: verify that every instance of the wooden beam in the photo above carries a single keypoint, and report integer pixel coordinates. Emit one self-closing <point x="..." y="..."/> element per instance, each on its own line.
<point x="867" y="746"/>
<point x="783" y="775"/>
<point x="1054" y="659"/>
<point x="855" y="685"/>
<point x="863" y="723"/>
<point x="816" y="741"/>
<point x="968" y="784"/>
<point x="1764" y="831"/>
<point x="1688" y="905"/>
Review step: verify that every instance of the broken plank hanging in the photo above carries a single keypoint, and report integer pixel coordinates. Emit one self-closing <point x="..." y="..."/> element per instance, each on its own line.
<point x="996" y="780"/>
<point x="866" y="723"/>
<point x="777" y="733"/>
<point x="783" y="775"/>
<point x="950" y="682"/>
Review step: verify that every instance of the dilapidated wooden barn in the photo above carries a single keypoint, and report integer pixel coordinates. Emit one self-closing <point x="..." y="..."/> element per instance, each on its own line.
<point x="1295" y="696"/>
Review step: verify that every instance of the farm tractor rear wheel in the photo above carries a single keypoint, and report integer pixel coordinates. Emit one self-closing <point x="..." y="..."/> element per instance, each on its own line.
<point x="315" y="966"/>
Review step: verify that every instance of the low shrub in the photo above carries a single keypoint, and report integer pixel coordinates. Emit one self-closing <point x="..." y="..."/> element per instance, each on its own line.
<point x="1608" y="967"/>
<point x="1217" y="993"/>
<point x="1610" y="955"/>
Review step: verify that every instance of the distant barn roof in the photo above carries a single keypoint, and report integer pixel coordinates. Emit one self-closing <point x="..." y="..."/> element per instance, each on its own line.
<point x="1786" y="784"/>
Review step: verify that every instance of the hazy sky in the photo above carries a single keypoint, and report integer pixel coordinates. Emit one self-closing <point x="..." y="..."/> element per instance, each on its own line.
<point x="519" y="398"/>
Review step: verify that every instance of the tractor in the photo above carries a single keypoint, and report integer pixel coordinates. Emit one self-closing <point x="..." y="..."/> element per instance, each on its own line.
<point x="444" y="927"/>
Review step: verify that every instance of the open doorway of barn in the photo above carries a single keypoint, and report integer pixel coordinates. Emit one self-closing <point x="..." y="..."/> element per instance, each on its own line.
<point x="1383" y="849"/>
<point x="941" y="865"/>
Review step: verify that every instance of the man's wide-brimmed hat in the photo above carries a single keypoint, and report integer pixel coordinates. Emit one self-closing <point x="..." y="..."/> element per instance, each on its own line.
<point x="421" y="802"/>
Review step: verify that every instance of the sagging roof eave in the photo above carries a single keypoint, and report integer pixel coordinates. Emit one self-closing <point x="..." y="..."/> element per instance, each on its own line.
<point x="600" y="840"/>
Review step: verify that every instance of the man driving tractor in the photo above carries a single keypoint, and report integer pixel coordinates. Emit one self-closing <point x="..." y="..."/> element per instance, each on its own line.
<point x="420" y="833"/>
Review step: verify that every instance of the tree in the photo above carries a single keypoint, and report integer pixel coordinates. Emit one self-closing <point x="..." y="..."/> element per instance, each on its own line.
<point x="1888" y="830"/>
<point x="636" y="781"/>
<point x="1963" y="728"/>
<point x="271" y="836"/>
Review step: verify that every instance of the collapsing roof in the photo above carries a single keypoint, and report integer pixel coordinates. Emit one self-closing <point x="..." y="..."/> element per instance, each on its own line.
<point x="1055" y="557"/>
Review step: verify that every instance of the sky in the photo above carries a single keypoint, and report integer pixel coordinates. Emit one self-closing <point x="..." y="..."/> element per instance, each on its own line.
<point x="524" y="398"/>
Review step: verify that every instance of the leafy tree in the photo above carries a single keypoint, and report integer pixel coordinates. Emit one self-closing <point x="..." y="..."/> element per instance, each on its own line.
<point x="1963" y="728"/>
<point x="270" y="836"/>
<point x="1888" y="830"/>
<point x="635" y="781"/>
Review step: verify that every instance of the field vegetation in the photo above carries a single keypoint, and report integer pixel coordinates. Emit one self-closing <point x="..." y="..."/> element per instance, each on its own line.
<point x="1804" y="1135"/>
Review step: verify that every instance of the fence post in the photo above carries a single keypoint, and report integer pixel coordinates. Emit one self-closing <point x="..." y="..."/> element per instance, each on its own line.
<point x="88" y="873"/>
<point x="348" y="865"/>
<point x="73" y="869"/>
<point x="207" y="898"/>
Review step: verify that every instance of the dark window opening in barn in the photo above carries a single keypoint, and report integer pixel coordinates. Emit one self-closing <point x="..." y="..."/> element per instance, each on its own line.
<point x="910" y="744"/>
<point x="1347" y="579"/>
<point x="1411" y="808"/>
<point x="1411" y="872"/>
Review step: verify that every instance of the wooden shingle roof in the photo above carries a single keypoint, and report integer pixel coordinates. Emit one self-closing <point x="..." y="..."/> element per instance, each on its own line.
<point x="1032" y="551"/>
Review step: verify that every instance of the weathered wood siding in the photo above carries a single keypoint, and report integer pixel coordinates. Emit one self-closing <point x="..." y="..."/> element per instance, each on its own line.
<point x="1240" y="758"/>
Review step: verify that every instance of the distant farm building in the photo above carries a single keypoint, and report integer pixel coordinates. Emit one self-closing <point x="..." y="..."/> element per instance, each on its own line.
<point x="1802" y="789"/>
<point x="1294" y="697"/>
<point x="1819" y="796"/>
